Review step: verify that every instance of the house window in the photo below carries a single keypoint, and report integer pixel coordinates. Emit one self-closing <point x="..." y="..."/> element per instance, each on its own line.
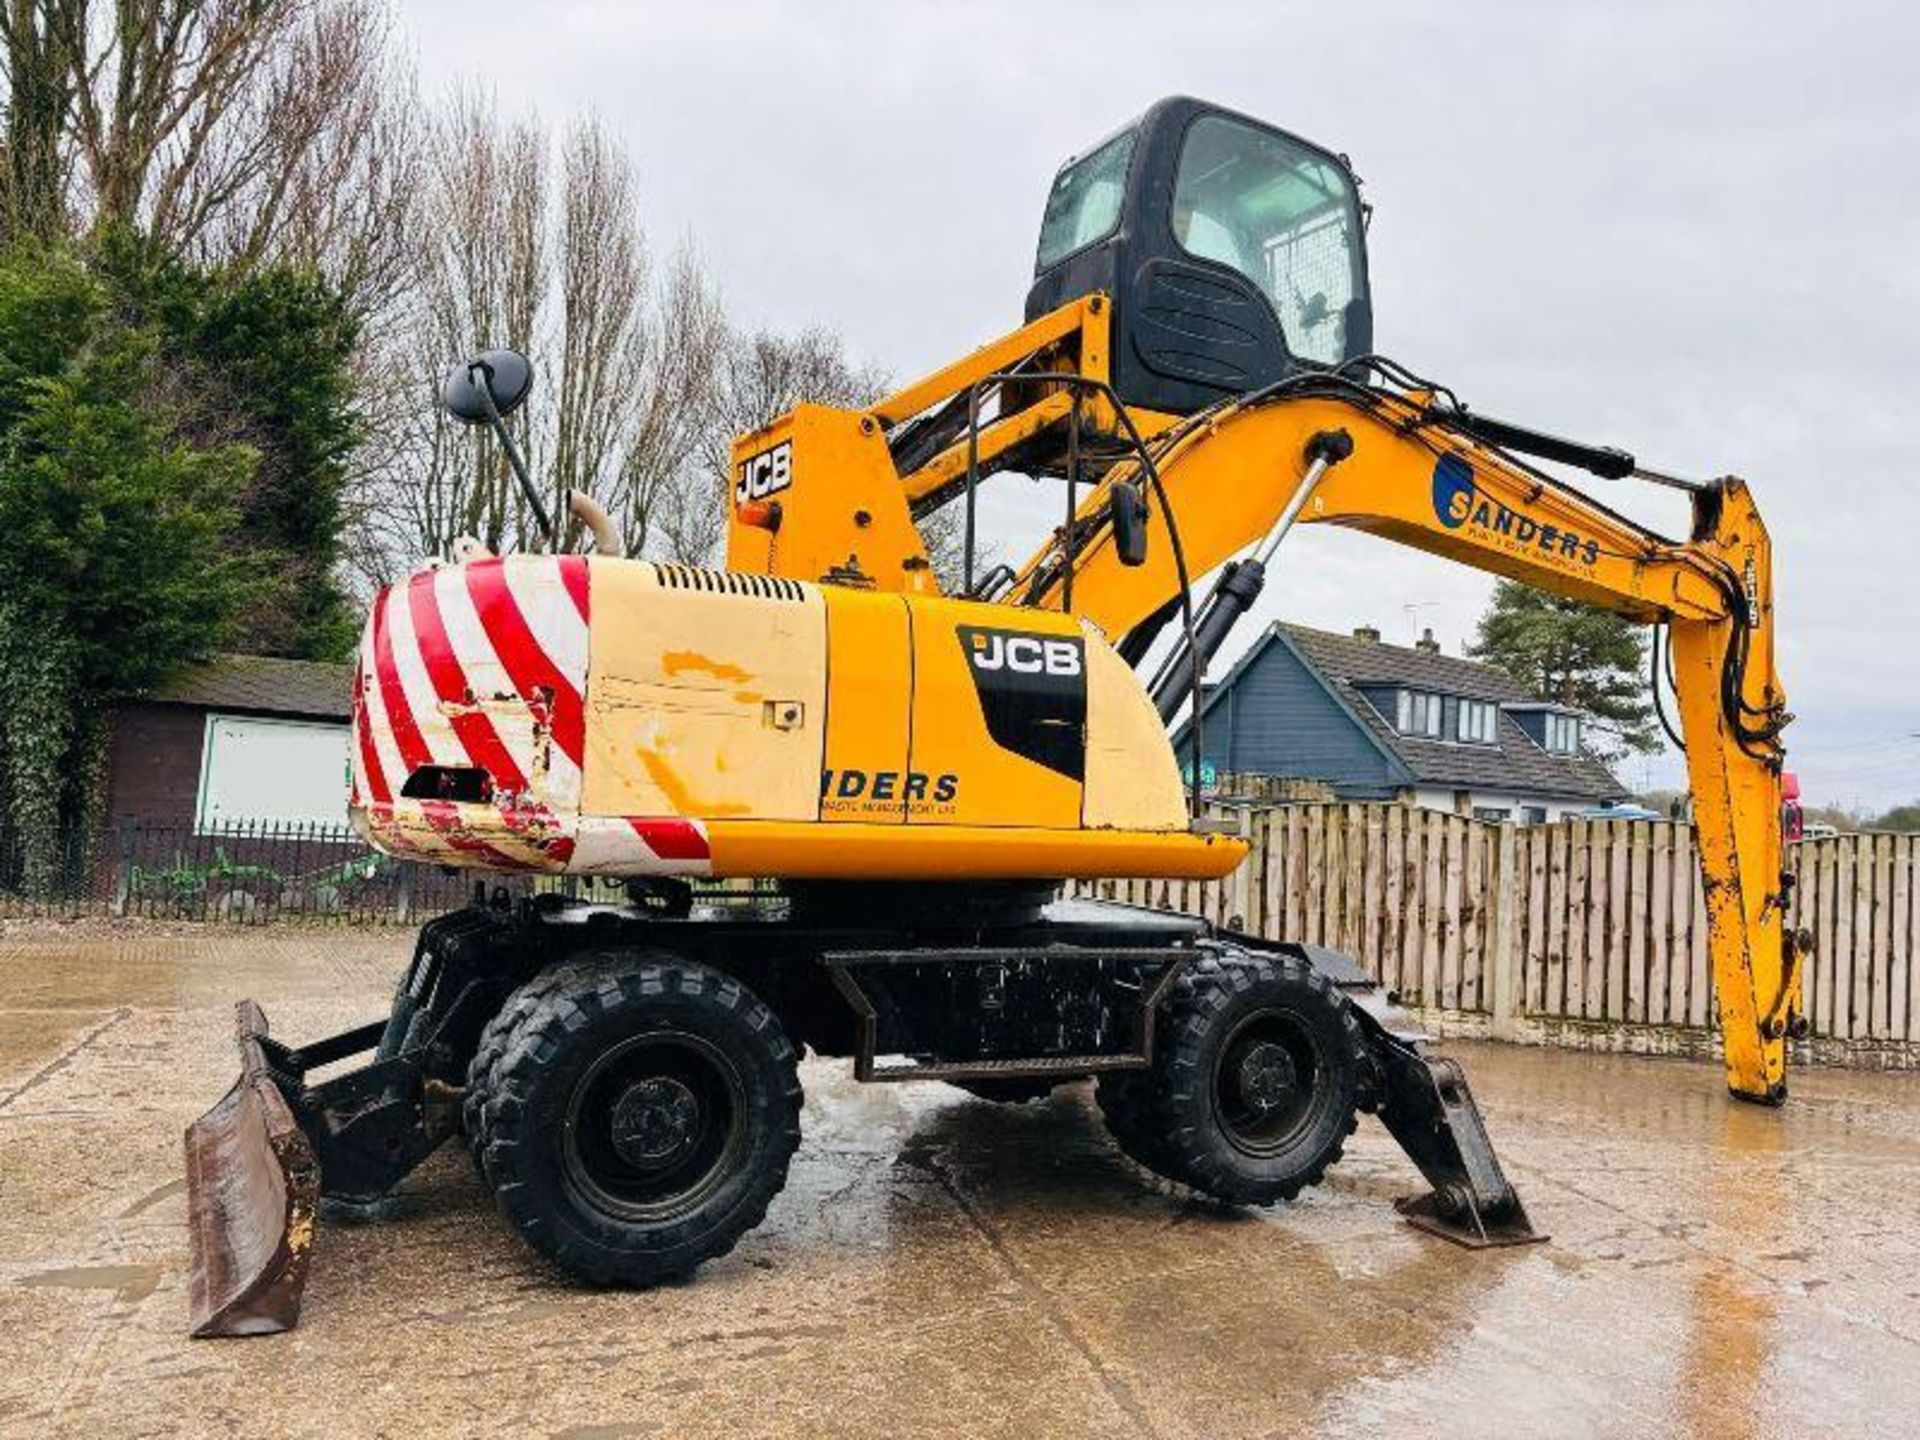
<point x="1419" y="714"/>
<point x="1533" y="814"/>
<point x="1563" y="734"/>
<point x="1477" y="723"/>
<point x="1494" y="814"/>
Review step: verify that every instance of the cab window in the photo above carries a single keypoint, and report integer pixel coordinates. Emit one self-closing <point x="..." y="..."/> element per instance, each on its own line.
<point x="1084" y="205"/>
<point x="1283" y="215"/>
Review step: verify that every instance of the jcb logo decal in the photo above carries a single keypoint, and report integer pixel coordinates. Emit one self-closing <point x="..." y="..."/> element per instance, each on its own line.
<point x="1033" y="693"/>
<point x="1023" y="654"/>
<point x="767" y="473"/>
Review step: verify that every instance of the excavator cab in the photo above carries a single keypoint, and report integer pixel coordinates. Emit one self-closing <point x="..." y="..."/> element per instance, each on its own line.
<point x="1234" y="253"/>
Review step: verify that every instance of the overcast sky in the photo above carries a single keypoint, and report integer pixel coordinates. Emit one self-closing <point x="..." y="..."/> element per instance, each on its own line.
<point x="1689" y="230"/>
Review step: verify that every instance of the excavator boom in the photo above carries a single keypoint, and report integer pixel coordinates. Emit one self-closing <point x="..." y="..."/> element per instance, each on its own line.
<point x="1416" y="476"/>
<point x="1196" y="363"/>
<point x="1413" y="467"/>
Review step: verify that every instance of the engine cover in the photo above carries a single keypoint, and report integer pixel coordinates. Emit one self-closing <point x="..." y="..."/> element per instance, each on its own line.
<point x="607" y="716"/>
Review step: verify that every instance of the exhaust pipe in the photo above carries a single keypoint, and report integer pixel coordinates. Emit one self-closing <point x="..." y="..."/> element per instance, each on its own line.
<point x="590" y="513"/>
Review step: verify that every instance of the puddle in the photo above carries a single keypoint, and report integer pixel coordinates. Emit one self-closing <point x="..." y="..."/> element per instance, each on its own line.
<point x="134" y="1282"/>
<point x="154" y="1196"/>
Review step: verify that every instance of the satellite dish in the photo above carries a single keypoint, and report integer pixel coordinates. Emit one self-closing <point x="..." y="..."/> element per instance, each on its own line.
<point x="507" y="376"/>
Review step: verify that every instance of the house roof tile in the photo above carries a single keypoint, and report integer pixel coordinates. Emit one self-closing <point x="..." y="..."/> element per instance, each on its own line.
<point x="264" y="684"/>
<point x="1514" y="762"/>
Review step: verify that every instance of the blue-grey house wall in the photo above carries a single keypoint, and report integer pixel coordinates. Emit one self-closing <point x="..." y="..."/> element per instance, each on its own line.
<point x="1278" y="718"/>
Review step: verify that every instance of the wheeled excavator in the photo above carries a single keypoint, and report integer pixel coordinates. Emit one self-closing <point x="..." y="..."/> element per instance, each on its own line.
<point x="899" y="775"/>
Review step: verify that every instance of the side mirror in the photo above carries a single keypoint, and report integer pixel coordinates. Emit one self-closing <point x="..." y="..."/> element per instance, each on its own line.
<point x="507" y="376"/>
<point x="1127" y="513"/>
<point x="484" y="391"/>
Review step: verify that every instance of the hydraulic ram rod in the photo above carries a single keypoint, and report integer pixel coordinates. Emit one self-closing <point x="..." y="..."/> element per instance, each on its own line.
<point x="1242" y="580"/>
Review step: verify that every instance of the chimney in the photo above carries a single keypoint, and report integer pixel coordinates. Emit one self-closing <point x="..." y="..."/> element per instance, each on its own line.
<point x="1367" y="632"/>
<point x="1426" y="643"/>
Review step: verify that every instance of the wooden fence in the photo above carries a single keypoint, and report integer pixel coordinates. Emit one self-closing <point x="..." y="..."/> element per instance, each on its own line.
<point x="1589" y="933"/>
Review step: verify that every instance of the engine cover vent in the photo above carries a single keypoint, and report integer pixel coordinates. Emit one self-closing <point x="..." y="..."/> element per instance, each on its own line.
<point x="728" y="582"/>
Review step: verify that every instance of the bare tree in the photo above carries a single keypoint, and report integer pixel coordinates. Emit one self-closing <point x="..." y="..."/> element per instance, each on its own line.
<point x="602" y="288"/>
<point x="540" y="247"/>
<point x="662" y="484"/>
<point x="342" y="163"/>
<point x="765" y="374"/>
<point x="760" y="376"/>
<point x="229" y="131"/>
<point x="944" y="533"/>
<point x="640" y="384"/>
<point x="39" y="82"/>
<point x="481" y="273"/>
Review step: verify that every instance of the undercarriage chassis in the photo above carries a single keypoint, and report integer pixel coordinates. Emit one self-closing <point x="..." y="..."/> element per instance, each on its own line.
<point x="1004" y="1000"/>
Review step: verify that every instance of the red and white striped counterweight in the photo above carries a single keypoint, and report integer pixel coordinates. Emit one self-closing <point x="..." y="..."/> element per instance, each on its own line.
<point x="469" y="727"/>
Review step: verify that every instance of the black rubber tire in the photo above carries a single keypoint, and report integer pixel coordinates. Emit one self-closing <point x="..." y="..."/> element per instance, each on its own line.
<point x="494" y="1036"/>
<point x="1123" y="1097"/>
<point x="1010" y="1089"/>
<point x="1188" y="1119"/>
<point x="541" y="1056"/>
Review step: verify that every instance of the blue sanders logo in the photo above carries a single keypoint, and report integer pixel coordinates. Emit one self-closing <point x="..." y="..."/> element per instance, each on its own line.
<point x="1457" y="501"/>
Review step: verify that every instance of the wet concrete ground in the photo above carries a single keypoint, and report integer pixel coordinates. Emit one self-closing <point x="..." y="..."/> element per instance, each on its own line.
<point x="941" y="1265"/>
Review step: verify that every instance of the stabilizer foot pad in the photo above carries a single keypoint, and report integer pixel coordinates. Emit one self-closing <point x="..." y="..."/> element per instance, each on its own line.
<point x="1470" y="1228"/>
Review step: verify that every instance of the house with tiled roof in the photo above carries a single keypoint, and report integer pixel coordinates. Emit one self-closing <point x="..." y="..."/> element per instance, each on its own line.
<point x="241" y="740"/>
<point x="1389" y="722"/>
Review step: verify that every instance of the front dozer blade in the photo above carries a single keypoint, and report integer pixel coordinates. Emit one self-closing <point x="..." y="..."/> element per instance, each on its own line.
<point x="252" y="1186"/>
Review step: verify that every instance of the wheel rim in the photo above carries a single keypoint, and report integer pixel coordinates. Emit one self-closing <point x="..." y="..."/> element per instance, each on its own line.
<point x="1267" y="1082"/>
<point x="654" y="1127"/>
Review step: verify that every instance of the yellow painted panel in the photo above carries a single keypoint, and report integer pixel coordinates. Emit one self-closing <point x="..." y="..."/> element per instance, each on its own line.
<point x="702" y="702"/>
<point x="972" y="661"/>
<point x="841" y="507"/>
<point x="945" y="852"/>
<point x="1133" y="780"/>
<point x="869" y="696"/>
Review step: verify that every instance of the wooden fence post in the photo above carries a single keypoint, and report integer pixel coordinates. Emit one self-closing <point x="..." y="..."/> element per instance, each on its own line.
<point x="1504" y="965"/>
<point x="1239" y="889"/>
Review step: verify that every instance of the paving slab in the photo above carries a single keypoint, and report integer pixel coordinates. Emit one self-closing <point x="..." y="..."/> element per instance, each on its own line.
<point x="938" y="1265"/>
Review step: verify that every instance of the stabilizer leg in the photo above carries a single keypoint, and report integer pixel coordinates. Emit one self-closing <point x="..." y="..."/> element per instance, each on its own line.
<point x="1428" y="1108"/>
<point x="1424" y="1102"/>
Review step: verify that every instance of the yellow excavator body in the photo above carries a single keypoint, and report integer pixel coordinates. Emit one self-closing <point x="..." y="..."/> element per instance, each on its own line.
<point x="917" y="764"/>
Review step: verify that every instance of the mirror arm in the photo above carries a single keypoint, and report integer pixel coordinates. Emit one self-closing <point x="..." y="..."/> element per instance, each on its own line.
<point x="514" y="459"/>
